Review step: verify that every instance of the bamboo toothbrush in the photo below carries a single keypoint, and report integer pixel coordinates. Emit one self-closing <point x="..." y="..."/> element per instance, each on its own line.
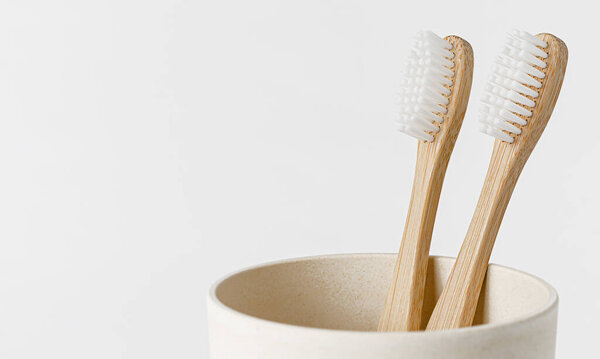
<point x="517" y="104"/>
<point x="434" y="100"/>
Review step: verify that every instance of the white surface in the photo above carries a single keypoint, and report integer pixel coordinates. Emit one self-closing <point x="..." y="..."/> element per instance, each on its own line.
<point x="149" y="147"/>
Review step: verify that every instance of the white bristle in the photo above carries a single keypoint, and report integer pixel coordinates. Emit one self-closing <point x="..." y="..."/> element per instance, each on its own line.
<point x="512" y="75"/>
<point x="424" y="94"/>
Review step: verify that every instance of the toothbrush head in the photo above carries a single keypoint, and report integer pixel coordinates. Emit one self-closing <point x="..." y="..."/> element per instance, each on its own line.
<point x="427" y="86"/>
<point x="523" y="87"/>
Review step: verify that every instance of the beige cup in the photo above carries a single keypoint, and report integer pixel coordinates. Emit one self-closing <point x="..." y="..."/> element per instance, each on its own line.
<point x="329" y="306"/>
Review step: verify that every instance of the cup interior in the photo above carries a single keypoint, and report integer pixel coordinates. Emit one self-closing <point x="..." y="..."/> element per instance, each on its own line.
<point x="347" y="292"/>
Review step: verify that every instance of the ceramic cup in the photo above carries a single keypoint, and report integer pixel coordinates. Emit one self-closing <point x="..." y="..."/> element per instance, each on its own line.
<point x="329" y="306"/>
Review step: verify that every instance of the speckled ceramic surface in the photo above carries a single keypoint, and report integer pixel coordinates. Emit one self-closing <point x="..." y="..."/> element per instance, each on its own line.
<point x="329" y="306"/>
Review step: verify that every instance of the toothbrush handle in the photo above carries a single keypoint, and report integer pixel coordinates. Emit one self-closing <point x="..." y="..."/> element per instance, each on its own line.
<point x="402" y="310"/>
<point x="404" y="301"/>
<point x="457" y="304"/>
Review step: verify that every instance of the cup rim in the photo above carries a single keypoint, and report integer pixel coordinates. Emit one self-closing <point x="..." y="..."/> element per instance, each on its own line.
<point x="549" y="306"/>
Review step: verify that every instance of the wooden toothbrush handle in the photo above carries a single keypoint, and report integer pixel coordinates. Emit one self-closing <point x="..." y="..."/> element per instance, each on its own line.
<point x="404" y="302"/>
<point x="402" y="311"/>
<point x="457" y="304"/>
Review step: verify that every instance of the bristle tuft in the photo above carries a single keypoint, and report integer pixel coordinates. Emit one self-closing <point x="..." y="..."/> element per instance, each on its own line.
<point x="514" y="81"/>
<point x="426" y="87"/>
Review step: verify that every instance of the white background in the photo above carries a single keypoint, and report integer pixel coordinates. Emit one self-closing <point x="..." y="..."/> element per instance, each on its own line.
<point x="149" y="147"/>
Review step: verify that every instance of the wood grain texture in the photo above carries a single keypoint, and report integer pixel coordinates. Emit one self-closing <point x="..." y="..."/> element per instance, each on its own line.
<point x="404" y="302"/>
<point x="458" y="301"/>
